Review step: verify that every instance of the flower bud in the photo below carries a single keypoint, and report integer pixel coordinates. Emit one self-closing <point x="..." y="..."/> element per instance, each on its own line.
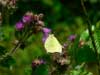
<point x="38" y="62"/>
<point x="40" y="16"/>
<point x="40" y="23"/>
<point x="36" y="18"/>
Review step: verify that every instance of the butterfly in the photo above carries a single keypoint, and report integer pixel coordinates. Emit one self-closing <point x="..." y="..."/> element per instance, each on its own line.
<point x="52" y="45"/>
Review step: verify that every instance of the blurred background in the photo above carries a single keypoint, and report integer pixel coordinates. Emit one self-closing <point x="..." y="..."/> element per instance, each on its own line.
<point x="64" y="17"/>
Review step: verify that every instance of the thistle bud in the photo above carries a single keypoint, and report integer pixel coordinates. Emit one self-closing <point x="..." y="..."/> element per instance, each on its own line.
<point x="19" y="26"/>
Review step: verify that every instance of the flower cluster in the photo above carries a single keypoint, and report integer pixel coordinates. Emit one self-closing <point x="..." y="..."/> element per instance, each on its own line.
<point x="30" y="21"/>
<point x="8" y="3"/>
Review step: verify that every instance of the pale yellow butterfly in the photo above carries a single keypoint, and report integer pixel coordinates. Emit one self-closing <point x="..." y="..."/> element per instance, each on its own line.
<point x="52" y="45"/>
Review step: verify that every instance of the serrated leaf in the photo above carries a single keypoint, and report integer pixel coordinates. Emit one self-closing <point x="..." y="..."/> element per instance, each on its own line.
<point x="97" y="39"/>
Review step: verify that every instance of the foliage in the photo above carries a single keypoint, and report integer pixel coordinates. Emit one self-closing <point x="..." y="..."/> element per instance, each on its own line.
<point x="85" y="54"/>
<point x="25" y="26"/>
<point x="7" y="61"/>
<point x="2" y="50"/>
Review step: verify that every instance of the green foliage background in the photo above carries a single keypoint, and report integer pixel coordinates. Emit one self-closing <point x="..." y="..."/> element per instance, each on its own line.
<point x="64" y="17"/>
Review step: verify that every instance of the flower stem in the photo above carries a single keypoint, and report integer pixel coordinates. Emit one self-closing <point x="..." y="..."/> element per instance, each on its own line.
<point x="21" y="40"/>
<point x="91" y="35"/>
<point x="26" y="36"/>
<point x="15" y="48"/>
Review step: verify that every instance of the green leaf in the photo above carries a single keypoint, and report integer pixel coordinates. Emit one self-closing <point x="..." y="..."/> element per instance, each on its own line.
<point x="74" y="72"/>
<point x="85" y="35"/>
<point x="85" y="54"/>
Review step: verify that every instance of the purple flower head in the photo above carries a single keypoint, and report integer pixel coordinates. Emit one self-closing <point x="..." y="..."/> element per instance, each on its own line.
<point x="19" y="26"/>
<point x="46" y="32"/>
<point x="27" y="19"/>
<point x="71" y="37"/>
<point x="44" y="38"/>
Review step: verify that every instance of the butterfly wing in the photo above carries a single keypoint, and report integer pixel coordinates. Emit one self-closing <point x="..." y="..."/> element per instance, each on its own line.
<point x="52" y="44"/>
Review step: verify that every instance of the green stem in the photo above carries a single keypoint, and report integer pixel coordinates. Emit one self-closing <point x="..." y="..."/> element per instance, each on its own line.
<point x="91" y="35"/>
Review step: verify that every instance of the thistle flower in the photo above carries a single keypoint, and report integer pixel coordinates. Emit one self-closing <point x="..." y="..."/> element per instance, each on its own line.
<point x="46" y="32"/>
<point x="71" y="38"/>
<point x="44" y="39"/>
<point x="19" y="26"/>
<point x="27" y="19"/>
